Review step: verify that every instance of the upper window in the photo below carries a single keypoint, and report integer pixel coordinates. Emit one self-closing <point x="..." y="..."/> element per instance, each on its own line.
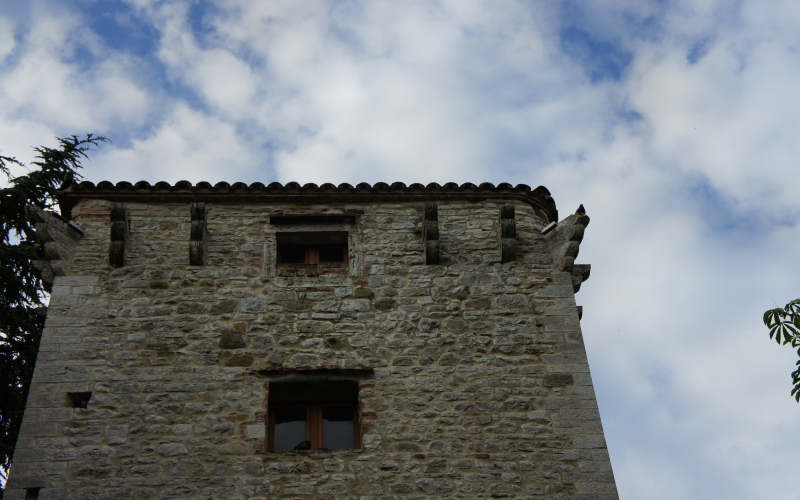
<point x="313" y="415"/>
<point x="318" y="248"/>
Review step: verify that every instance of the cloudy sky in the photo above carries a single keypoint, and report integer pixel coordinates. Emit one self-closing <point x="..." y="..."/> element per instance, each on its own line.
<point x="674" y="122"/>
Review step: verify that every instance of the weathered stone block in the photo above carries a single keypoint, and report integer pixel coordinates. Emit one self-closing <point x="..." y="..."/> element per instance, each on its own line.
<point x="557" y="380"/>
<point x="238" y="360"/>
<point x="254" y="305"/>
<point x="363" y="293"/>
<point x="384" y="304"/>
<point x="231" y="340"/>
<point x="224" y="306"/>
<point x="355" y="305"/>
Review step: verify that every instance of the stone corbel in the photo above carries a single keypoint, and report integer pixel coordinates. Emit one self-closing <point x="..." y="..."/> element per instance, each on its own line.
<point x="430" y="233"/>
<point x="564" y="242"/>
<point x="57" y="239"/>
<point x="197" y="237"/>
<point x="119" y="232"/>
<point x="508" y="233"/>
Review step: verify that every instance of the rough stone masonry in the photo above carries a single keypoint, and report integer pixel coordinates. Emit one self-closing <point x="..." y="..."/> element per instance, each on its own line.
<point x="175" y="309"/>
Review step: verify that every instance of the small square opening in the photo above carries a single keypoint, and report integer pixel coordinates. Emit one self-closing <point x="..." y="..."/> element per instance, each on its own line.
<point x="79" y="399"/>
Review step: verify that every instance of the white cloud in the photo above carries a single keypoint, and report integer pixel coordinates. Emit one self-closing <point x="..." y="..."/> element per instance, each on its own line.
<point x="48" y="85"/>
<point x="343" y="93"/>
<point x="187" y="145"/>
<point x="19" y="138"/>
<point x="223" y="80"/>
<point x="722" y="119"/>
<point x="672" y="326"/>
<point x="7" y="41"/>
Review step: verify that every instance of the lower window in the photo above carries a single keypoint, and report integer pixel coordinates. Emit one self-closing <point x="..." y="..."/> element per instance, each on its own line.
<point x="313" y="415"/>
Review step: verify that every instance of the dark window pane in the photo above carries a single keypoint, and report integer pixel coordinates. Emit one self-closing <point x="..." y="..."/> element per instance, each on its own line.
<point x="290" y="428"/>
<point x="291" y="254"/>
<point x="331" y="255"/>
<point x="337" y="427"/>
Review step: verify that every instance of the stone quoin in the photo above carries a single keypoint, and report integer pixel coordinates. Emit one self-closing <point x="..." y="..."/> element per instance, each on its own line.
<point x="286" y="341"/>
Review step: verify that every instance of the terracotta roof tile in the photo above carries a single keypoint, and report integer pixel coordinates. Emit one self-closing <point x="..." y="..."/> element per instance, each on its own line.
<point x="257" y="192"/>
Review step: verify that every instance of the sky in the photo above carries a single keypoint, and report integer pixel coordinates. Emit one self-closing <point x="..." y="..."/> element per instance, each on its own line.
<point x="674" y="122"/>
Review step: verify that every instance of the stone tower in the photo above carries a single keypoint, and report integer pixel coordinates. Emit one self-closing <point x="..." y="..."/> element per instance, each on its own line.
<point x="253" y="342"/>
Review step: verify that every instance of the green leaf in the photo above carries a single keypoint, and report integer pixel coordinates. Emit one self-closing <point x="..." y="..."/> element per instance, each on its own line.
<point x="773" y="316"/>
<point x="776" y="331"/>
<point x="789" y="332"/>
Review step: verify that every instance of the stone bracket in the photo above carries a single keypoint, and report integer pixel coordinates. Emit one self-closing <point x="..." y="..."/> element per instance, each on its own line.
<point x="580" y="273"/>
<point x="430" y="233"/>
<point x="197" y="241"/>
<point x="564" y="242"/>
<point x="119" y="232"/>
<point x="508" y="233"/>
<point x="57" y="239"/>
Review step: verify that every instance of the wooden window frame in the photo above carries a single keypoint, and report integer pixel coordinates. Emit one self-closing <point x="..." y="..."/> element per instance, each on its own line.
<point x="314" y="420"/>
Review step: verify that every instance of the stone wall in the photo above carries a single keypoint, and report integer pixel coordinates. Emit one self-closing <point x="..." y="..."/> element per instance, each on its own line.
<point x="473" y="378"/>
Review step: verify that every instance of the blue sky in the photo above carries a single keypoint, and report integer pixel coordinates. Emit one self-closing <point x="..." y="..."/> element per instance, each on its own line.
<point x="673" y="122"/>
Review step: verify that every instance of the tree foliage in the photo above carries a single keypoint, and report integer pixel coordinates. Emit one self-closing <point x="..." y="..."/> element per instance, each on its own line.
<point x="784" y="327"/>
<point x="22" y="291"/>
